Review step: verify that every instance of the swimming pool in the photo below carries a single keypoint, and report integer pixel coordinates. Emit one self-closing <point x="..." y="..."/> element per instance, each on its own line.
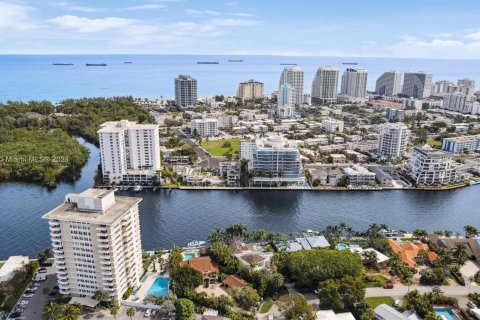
<point x="341" y="246"/>
<point x="445" y="312"/>
<point x="188" y="255"/>
<point x="160" y="287"/>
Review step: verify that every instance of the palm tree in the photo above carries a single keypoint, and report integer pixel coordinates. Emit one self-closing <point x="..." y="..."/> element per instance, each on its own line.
<point x="130" y="313"/>
<point x="70" y="312"/>
<point x="436" y="292"/>
<point x="460" y="254"/>
<point x="114" y="311"/>
<point x="420" y="233"/>
<point x="470" y="231"/>
<point x="447" y="233"/>
<point x="51" y="311"/>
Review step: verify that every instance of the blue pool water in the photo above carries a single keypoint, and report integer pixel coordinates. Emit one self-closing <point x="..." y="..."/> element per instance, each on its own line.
<point x="188" y="255"/>
<point x="446" y="312"/>
<point x="341" y="246"/>
<point x="160" y="287"/>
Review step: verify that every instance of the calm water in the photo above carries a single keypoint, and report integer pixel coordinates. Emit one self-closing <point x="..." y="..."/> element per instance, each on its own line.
<point x="151" y="76"/>
<point x="181" y="216"/>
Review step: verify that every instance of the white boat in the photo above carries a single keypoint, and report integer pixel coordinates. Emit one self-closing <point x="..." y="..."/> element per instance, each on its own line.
<point x="137" y="188"/>
<point x="195" y="243"/>
<point x="116" y="189"/>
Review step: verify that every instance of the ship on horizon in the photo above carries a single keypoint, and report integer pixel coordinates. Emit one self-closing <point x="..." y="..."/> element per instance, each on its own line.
<point x="96" y="64"/>
<point x="235" y="60"/>
<point x="350" y="63"/>
<point x="208" y="62"/>
<point x="62" y="64"/>
<point x="288" y="64"/>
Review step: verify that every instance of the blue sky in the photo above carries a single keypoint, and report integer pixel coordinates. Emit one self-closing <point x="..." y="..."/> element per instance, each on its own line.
<point x="386" y="28"/>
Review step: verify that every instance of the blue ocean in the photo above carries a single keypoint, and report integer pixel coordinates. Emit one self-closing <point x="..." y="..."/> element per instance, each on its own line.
<point x="34" y="77"/>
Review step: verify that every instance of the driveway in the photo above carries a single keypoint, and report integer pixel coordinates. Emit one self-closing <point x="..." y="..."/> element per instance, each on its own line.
<point x="35" y="304"/>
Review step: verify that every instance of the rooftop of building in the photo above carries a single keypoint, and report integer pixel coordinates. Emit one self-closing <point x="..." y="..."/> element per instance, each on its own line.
<point x="68" y="211"/>
<point x="119" y="126"/>
<point x="464" y="138"/>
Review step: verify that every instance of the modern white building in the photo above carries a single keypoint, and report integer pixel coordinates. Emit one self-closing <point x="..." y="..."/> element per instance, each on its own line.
<point x="461" y="145"/>
<point x="130" y="152"/>
<point x="96" y="243"/>
<point x="273" y="160"/>
<point x="294" y="77"/>
<point x="250" y="90"/>
<point x="226" y="121"/>
<point x="325" y="86"/>
<point x="332" y="125"/>
<point x="284" y="112"/>
<point x="286" y="95"/>
<point x="205" y="127"/>
<point x="429" y="166"/>
<point x="185" y="91"/>
<point x="354" y="85"/>
<point x="465" y="86"/>
<point x="393" y="140"/>
<point x="389" y="83"/>
<point x="455" y="102"/>
<point x="417" y="84"/>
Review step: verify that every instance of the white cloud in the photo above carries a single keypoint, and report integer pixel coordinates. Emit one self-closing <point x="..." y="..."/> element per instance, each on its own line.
<point x="87" y="25"/>
<point x="15" y="16"/>
<point x="69" y="6"/>
<point x="202" y="12"/>
<point x="234" y="22"/>
<point x="413" y="47"/>
<point x="148" y="6"/>
<point x="474" y="36"/>
<point x="241" y="14"/>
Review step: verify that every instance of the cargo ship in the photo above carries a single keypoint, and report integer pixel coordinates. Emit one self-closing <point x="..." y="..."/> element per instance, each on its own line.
<point x="62" y="64"/>
<point x="235" y="60"/>
<point x="96" y="64"/>
<point x="208" y="62"/>
<point x="350" y="63"/>
<point x="128" y="62"/>
<point x="288" y="64"/>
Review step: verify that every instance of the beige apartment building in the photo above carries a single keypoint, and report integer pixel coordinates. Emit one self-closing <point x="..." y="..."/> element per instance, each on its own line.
<point x="96" y="243"/>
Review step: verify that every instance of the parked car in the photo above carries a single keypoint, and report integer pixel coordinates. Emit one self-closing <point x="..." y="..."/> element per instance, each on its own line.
<point x="397" y="303"/>
<point x="42" y="270"/>
<point x="147" y="313"/>
<point x="28" y="295"/>
<point x="23" y="302"/>
<point x="388" y="285"/>
<point x="471" y="305"/>
<point x="15" y="315"/>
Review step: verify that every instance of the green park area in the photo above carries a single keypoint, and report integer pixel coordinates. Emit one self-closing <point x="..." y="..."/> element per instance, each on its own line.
<point x="222" y="147"/>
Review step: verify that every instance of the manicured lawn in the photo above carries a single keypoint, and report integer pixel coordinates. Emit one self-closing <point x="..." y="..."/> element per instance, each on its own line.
<point x="265" y="307"/>
<point x="218" y="148"/>
<point x="373" y="302"/>
<point x="434" y="143"/>
<point x="378" y="281"/>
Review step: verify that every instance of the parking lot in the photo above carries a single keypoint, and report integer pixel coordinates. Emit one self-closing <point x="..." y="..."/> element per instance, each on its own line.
<point x="35" y="304"/>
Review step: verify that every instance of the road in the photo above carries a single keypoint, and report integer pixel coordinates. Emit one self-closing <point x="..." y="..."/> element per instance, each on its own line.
<point x="400" y="291"/>
<point x="206" y="160"/>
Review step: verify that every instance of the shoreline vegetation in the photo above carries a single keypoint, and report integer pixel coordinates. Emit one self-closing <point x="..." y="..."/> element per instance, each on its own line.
<point x="37" y="139"/>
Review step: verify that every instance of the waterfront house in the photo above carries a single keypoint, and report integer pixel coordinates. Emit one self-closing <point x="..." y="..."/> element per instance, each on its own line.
<point x="408" y="252"/>
<point x="472" y="247"/>
<point x="205" y="265"/>
<point x="308" y="242"/>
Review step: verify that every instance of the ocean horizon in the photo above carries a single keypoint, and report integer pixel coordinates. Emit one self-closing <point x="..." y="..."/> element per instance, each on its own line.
<point x="34" y="77"/>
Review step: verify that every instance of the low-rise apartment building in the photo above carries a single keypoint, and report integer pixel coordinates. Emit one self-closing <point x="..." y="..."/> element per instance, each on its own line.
<point x="429" y="166"/>
<point x="460" y="145"/>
